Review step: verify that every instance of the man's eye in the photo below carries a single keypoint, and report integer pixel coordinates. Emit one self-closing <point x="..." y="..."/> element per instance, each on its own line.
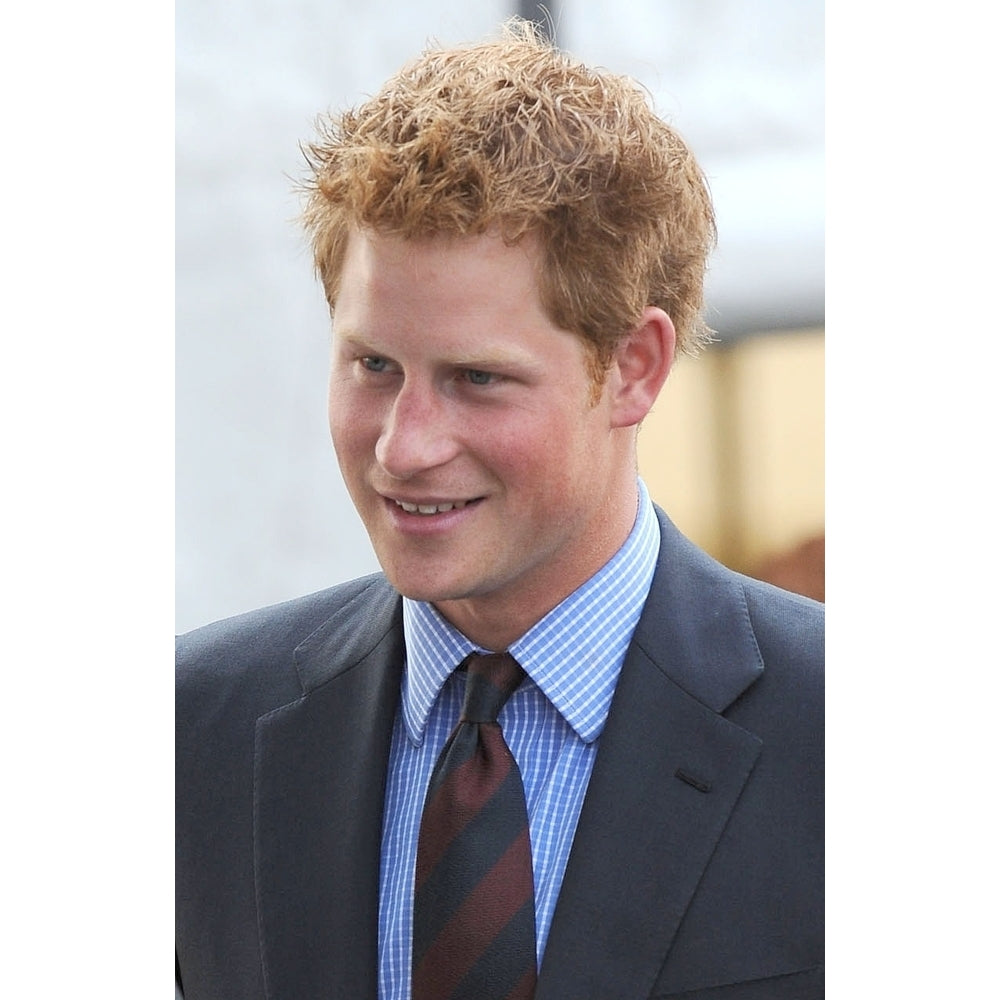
<point x="374" y="364"/>
<point x="477" y="377"/>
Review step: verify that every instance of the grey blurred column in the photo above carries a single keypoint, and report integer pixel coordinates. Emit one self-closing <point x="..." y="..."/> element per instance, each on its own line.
<point x="546" y="15"/>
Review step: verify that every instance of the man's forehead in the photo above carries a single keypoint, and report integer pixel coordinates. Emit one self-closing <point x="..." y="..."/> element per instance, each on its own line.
<point x="391" y="245"/>
<point x="461" y="265"/>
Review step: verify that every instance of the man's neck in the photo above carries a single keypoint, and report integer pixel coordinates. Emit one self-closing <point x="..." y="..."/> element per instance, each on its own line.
<point x="495" y="620"/>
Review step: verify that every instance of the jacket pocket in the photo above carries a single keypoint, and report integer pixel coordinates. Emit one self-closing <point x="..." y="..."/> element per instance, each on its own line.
<point x="808" y="984"/>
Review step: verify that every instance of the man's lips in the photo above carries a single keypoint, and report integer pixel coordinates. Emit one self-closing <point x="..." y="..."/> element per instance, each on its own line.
<point x="428" y="508"/>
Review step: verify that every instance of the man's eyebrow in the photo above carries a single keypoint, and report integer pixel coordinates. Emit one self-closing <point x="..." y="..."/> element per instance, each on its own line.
<point x="492" y="359"/>
<point x="349" y="338"/>
<point x="488" y="357"/>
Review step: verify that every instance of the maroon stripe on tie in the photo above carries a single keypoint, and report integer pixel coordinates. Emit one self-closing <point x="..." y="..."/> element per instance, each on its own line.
<point x="525" y="989"/>
<point x="457" y="801"/>
<point x="488" y="907"/>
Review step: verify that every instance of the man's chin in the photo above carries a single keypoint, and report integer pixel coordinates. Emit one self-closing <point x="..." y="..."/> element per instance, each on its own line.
<point x="416" y="586"/>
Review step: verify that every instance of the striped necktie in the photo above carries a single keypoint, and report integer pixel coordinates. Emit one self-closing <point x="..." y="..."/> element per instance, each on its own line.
<point x="474" y="905"/>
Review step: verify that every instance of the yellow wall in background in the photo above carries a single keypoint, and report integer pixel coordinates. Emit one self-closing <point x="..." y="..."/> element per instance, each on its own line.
<point x="734" y="448"/>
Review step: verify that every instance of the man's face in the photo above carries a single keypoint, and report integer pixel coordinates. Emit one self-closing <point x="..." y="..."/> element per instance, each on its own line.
<point x="464" y="422"/>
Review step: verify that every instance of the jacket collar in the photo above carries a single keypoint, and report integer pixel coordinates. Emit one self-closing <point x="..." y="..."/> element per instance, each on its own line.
<point x="667" y="777"/>
<point x="697" y="630"/>
<point x="320" y="766"/>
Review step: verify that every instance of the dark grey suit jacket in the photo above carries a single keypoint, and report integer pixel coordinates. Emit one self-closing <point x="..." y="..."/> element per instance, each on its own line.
<point x="697" y="867"/>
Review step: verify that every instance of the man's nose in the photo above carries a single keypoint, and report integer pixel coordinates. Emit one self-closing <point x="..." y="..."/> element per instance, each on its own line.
<point x="417" y="434"/>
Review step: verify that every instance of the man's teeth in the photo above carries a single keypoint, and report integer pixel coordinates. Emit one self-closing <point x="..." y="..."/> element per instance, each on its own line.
<point x="424" y="508"/>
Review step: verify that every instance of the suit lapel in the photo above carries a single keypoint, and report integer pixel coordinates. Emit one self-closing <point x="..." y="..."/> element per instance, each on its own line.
<point x="316" y="864"/>
<point x="668" y="773"/>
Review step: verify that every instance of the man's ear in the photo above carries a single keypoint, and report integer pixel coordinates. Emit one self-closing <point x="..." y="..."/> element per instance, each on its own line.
<point x="641" y="366"/>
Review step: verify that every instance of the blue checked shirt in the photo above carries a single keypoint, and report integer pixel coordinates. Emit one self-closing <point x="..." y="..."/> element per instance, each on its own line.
<point x="552" y="725"/>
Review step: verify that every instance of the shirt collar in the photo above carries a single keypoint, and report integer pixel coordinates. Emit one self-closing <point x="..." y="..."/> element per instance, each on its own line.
<point x="574" y="664"/>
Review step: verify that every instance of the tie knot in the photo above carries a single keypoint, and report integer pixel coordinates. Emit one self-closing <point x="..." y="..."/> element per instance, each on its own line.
<point x="491" y="679"/>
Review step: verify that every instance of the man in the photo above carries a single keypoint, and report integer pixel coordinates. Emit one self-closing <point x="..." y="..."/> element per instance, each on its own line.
<point x="513" y="248"/>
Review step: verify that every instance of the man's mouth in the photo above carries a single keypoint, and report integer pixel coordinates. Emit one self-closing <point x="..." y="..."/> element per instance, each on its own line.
<point x="431" y="508"/>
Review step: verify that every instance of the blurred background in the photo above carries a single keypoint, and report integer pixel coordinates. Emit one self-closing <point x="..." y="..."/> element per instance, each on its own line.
<point x="734" y="449"/>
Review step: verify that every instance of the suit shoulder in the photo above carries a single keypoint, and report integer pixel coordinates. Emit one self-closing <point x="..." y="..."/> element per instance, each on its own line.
<point x="786" y="705"/>
<point x="256" y="648"/>
<point x="290" y="620"/>
<point x="786" y="624"/>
